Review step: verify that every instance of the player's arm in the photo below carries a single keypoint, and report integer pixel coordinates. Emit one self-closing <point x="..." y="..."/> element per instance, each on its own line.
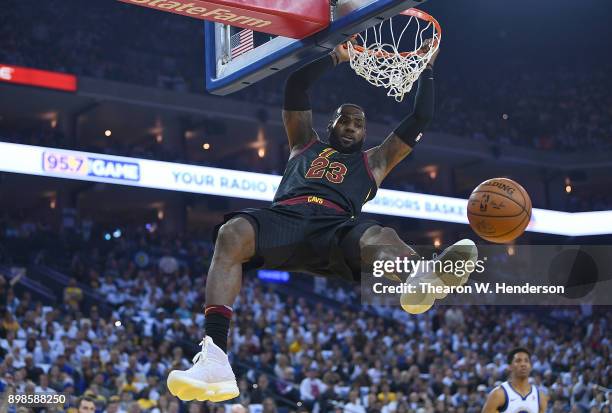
<point x="401" y="141"/>
<point x="495" y="401"/>
<point x="543" y="402"/>
<point x="297" y="112"/>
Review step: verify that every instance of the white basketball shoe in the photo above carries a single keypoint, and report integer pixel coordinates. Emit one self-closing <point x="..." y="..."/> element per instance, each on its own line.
<point x="464" y="252"/>
<point x="210" y="378"/>
<point x="443" y="275"/>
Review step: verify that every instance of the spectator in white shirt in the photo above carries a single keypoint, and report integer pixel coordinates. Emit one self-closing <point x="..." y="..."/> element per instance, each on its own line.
<point x="354" y="405"/>
<point x="311" y="388"/>
<point x="43" y="387"/>
<point x="44" y="354"/>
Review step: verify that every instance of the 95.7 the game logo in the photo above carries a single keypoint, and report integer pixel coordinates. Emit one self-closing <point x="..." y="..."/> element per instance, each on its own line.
<point x="78" y="164"/>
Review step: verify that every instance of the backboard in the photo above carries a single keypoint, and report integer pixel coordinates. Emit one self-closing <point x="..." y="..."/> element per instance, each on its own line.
<point x="228" y="72"/>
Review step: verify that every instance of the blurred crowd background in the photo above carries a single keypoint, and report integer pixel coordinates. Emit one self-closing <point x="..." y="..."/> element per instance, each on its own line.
<point x="124" y="312"/>
<point x="562" y="108"/>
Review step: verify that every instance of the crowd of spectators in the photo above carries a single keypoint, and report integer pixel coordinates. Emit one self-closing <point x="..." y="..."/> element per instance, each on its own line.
<point x="562" y="109"/>
<point x="565" y="110"/>
<point x="111" y="41"/>
<point x="594" y="202"/>
<point x="133" y="311"/>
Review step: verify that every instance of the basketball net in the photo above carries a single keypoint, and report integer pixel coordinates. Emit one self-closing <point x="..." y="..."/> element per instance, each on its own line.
<point x="377" y="56"/>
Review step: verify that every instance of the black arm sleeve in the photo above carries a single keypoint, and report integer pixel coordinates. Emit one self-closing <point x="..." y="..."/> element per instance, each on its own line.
<point x="298" y="83"/>
<point x="413" y="125"/>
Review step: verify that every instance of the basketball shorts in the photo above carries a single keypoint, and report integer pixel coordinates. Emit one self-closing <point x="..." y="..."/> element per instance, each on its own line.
<point x="305" y="237"/>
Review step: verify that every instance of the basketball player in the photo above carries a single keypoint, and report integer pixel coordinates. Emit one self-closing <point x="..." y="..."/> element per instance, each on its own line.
<point x="516" y="395"/>
<point x="314" y="224"/>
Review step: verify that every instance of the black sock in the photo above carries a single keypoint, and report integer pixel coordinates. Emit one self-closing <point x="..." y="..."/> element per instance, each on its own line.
<point x="217" y="323"/>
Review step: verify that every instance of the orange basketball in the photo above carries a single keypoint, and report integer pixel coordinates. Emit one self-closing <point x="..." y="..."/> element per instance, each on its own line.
<point x="499" y="210"/>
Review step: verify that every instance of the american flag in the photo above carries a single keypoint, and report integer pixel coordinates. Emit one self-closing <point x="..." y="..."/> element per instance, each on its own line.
<point x="241" y="43"/>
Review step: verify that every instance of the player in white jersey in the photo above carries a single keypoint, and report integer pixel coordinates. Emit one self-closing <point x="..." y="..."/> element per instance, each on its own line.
<point x="517" y="395"/>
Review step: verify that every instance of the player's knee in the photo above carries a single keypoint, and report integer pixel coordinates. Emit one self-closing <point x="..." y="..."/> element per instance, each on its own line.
<point x="236" y="238"/>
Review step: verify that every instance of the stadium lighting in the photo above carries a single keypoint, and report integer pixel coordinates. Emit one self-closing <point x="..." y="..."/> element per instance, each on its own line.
<point x="261" y="152"/>
<point x="159" y="138"/>
<point x="117" y="233"/>
<point x="52" y="203"/>
<point x="107" y="236"/>
<point x="505" y="116"/>
<point x="108" y="133"/>
<point x="568" y="188"/>
<point x="206" y="146"/>
<point x="431" y="171"/>
<point x="160" y="214"/>
<point x="437" y="243"/>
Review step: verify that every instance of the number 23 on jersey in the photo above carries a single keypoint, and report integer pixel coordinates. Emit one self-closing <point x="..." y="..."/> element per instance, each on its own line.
<point x="321" y="167"/>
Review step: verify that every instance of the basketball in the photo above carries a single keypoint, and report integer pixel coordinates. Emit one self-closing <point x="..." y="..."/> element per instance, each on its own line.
<point x="499" y="210"/>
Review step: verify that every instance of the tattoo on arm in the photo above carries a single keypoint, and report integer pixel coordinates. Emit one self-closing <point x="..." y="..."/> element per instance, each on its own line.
<point x="298" y="125"/>
<point x="297" y="112"/>
<point x="386" y="156"/>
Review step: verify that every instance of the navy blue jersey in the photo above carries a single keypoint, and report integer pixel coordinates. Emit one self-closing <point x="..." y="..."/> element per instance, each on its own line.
<point x="319" y="170"/>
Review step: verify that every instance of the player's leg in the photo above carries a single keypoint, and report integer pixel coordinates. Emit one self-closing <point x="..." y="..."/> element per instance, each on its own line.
<point x="235" y="245"/>
<point x="383" y="243"/>
<point x="211" y="377"/>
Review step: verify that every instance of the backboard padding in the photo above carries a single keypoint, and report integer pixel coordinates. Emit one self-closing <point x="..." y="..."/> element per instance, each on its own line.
<point x="350" y="17"/>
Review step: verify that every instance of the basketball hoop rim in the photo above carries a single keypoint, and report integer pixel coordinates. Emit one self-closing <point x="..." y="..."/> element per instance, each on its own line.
<point x="413" y="13"/>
